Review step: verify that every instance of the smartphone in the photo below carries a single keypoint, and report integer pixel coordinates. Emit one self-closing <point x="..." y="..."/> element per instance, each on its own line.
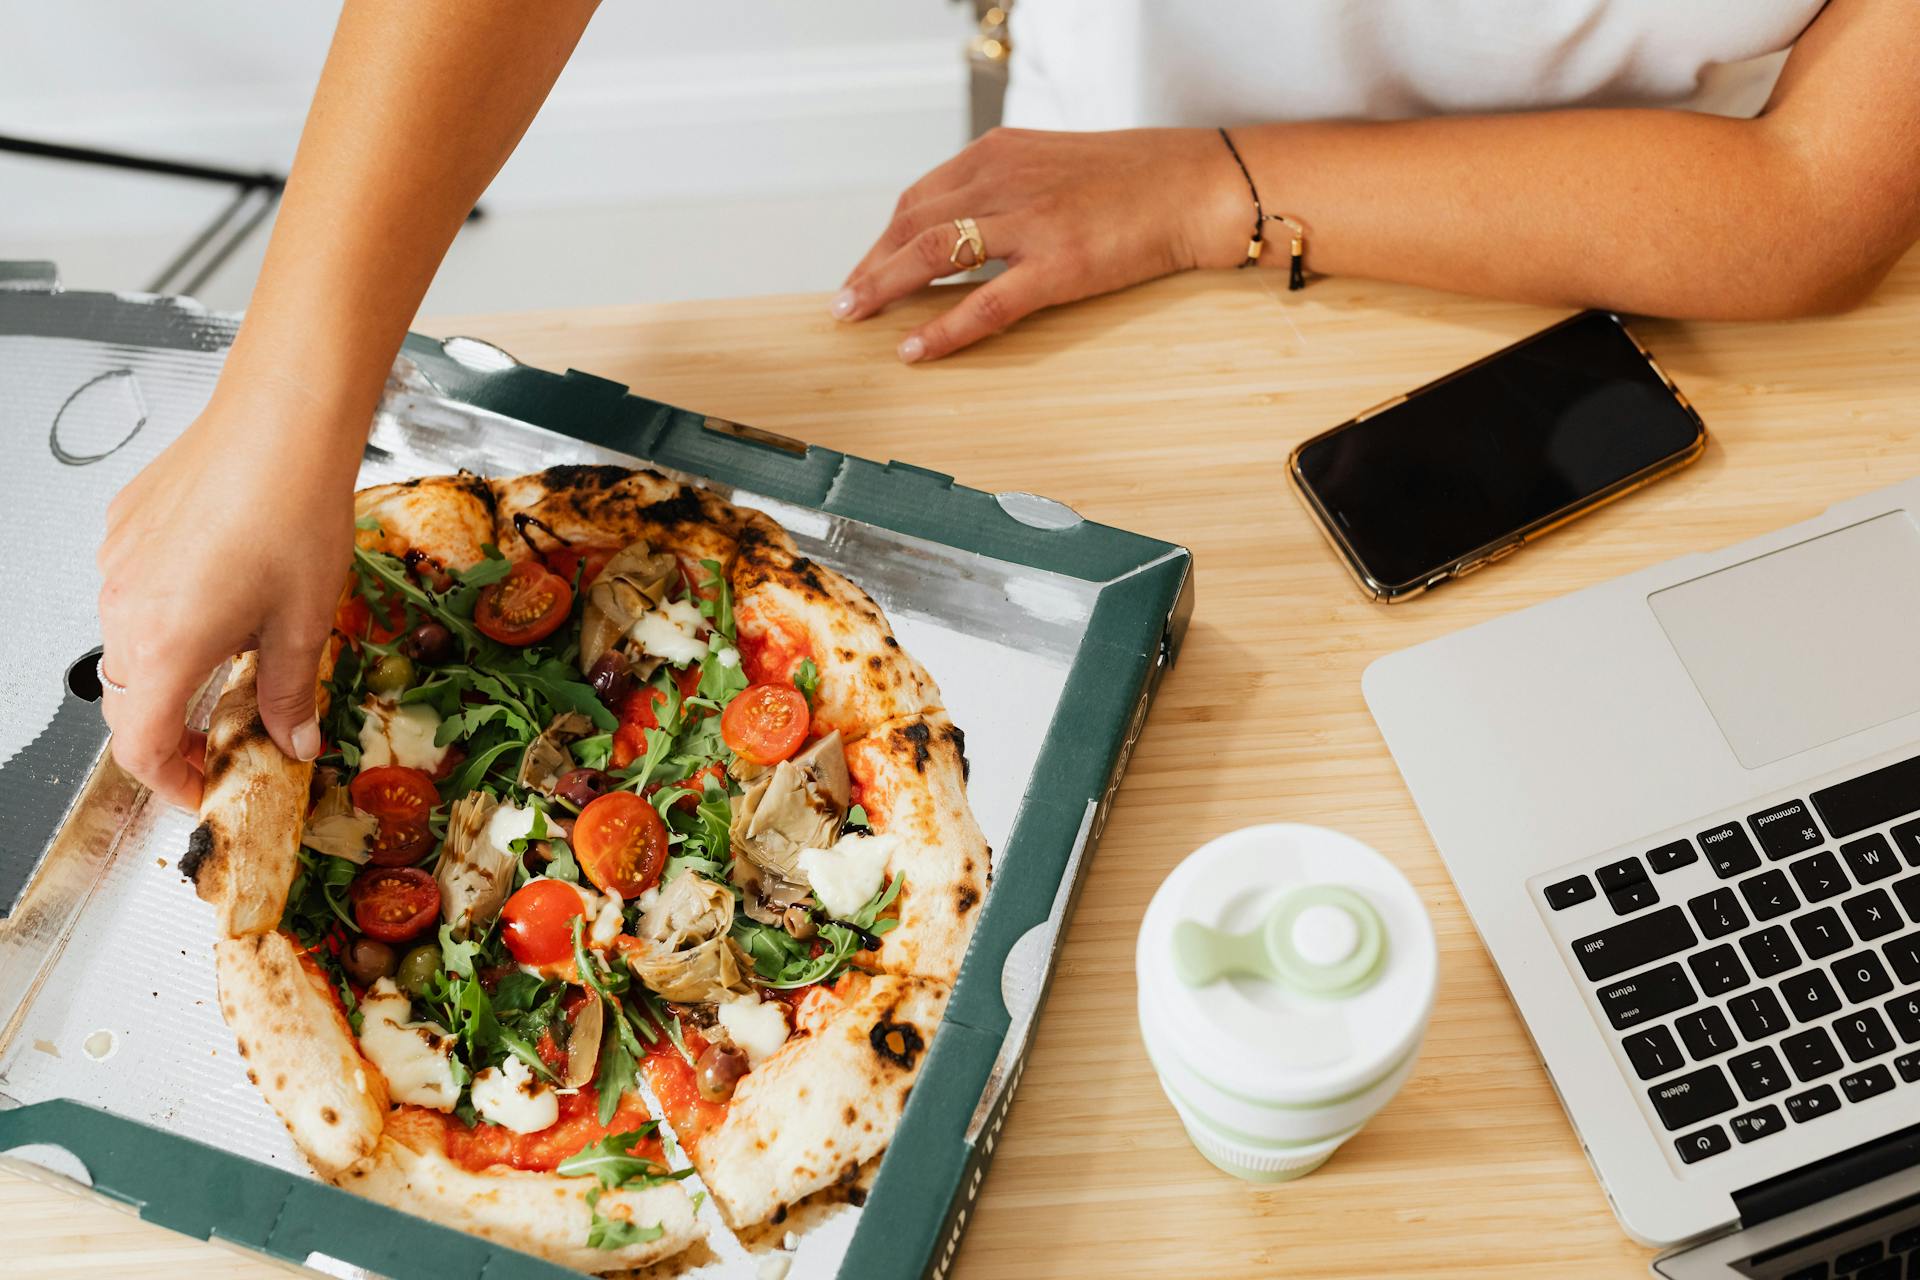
<point x="1466" y="470"/>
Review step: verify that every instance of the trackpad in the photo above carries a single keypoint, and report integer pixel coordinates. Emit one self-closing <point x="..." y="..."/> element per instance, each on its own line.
<point x="1807" y="644"/>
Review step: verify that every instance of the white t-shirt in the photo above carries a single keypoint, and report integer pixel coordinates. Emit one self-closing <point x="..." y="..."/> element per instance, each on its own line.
<point x="1118" y="64"/>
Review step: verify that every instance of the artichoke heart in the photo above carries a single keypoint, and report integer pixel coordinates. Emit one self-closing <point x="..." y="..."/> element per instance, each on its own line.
<point x="474" y="876"/>
<point x="801" y="804"/>
<point x="683" y="951"/>
<point x="547" y="757"/>
<point x="633" y="582"/>
<point x="338" y="829"/>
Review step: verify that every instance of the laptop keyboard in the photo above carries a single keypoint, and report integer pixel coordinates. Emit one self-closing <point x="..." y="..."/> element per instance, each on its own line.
<point x="1763" y="972"/>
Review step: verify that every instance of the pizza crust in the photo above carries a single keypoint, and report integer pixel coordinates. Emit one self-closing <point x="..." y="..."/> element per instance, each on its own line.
<point x="604" y="506"/>
<point x="787" y="608"/>
<point x="538" y="1213"/>
<point x="449" y="518"/>
<point x="299" y="1050"/>
<point x="912" y="779"/>
<point x="829" y="1100"/>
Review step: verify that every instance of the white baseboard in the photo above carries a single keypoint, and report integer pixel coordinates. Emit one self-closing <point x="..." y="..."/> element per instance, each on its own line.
<point x="614" y="131"/>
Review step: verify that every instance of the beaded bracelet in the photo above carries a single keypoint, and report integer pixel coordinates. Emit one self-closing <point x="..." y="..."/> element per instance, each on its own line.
<point x="1296" y="274"/>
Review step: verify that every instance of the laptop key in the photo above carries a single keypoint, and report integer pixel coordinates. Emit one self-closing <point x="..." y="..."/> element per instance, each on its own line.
<point x="1885" y="1269"/>
<point x="1696" y="1096"/>
<point x="1569" y="893"/>
<point x="1811" y="1054"/>
<point x="1643" y="997"/>
<point x="1717" y="970"/>
<point x="1672" y="857"/>
<point x="1718" y="913"/>
<point x="1758" y="1073"/>
<point x="1862" y="977"/>
<point x="1785" y="829"/>
<point x="1618" y="875"/>
<point x="1728" y="850"/>
<point x="1810" y="995"/>
<point x="1903" y="1240"/>
<point x="1908" y="1065"/>
<point x="1872" y="914"/>
<point x="1869" y="1082"/>
<point x="1813" y="1104"/>
<point x="1870" y="858"/>
<point x="1870" y="799"/>
<point x="1768" y="894"/>
<point x="1819" y="875"/>
<point x="1706" y="1033"/>
<point x="1633" y="943"/>
<point x="1761" y="1122"/>
<point x="1630" y="899"/>
<point x="1770" y="951"/>
<point x="1812" y="1271"/>
<point x="1906" y="838"/>
<point x="1710" y="1141"/>
<point x="1863" y="1035"/>
<point x="1758" y="1013"/>
<point x="1653" y="1052"/>
<point x="1904" y="955"/>
<point x="1860" y="1256"/>
<point x="1821" y="933"/>
<point x="1908" y="891"/>
<point x="1904" y="1013"/>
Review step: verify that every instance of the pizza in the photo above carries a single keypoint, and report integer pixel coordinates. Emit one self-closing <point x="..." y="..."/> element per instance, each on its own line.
<point x="618" y="787"/>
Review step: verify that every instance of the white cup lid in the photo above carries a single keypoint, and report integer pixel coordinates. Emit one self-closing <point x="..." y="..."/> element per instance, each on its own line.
<point x="1287" y="963"/>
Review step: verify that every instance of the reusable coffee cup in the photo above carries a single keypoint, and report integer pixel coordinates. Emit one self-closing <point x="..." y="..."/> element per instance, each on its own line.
<point x="1286" y="973"/>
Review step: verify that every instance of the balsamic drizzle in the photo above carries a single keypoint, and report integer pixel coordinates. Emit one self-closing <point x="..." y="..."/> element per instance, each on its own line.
<point x="520" y="522"/>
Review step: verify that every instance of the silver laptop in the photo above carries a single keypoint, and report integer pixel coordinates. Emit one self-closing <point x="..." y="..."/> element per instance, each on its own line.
<point x="1683" y="809"/>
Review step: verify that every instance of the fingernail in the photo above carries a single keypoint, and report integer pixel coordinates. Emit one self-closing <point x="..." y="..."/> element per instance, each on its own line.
<point x="842" y="305"/>
<point x="912" y="349"/>
<point x="306" y="740"/>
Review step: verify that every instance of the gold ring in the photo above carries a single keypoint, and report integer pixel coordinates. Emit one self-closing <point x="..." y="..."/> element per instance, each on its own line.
<point x="970" y="240"/>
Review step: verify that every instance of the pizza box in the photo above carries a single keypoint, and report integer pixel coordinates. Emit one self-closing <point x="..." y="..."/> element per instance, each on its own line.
<point x="116" y="1072"/>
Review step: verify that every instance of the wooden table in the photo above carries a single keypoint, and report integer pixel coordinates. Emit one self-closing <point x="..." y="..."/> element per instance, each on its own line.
<point x="1170" y="409"/>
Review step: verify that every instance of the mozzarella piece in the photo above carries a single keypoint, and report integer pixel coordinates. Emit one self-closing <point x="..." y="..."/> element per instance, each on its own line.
<point x="509" y="1096"/>
<point x="606" y="923"/>
<point x="396" y="734"/>
<point x="671" y="631"/>
<point x="757" y="1028"/>
<point x="728" y="657"/>
<point x="509" y="823"/>
<point x="415" y="1057"/>
<point x="847" y="875"/>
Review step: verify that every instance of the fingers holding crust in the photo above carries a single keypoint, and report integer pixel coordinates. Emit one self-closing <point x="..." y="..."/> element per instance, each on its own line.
<point x="299" y="1050"/>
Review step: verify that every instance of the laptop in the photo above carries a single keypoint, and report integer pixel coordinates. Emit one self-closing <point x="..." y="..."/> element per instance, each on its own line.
<point x="1683" y="810"/>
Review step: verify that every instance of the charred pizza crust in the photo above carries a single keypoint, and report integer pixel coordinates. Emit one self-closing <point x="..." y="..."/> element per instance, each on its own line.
<point x="831" y="1097"/>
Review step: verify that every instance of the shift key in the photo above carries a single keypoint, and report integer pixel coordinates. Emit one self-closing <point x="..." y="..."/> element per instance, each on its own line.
<point x="1653" y="994"/>
<point x="1637" y="941"/>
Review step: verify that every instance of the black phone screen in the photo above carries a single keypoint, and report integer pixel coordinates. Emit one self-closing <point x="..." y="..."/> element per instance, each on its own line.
<point x="1500" y="446"/>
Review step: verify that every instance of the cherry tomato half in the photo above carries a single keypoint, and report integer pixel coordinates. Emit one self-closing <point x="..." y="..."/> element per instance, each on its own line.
<point x="766" y="723"/>
<point x="621" y="843"/>
<point x="637" y="715"/>
<point x="395" y="793"/>
<point x="400" y="844"/>
<point x="537" y="922"/>
<point x="589" y="561"/>
<point x="394" y="904"/>
<point x="528" y="604"/>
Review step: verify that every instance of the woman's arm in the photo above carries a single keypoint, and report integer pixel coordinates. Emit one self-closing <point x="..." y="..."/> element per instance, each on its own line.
<point x="1802" y="209"/>
<point x="237" y="533"/>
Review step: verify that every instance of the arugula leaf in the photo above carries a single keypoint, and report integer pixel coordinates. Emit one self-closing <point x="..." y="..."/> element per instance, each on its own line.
<point x="857" y="818"/>
<point x="564" y="690"/>
<point x="618" y="1047"/>
<point x="389" y="571"/>
<point x="616" y="1233"/>
<point x="466" y="723"/>
<point x="456" y="956"/>
<point x="719" y="610"/>
<point x="368" y="524"/>
<point x="784" y="963"/>
<point x="563" y="866"/>
<point x="806" y="678"/>
<point x="612" y="1161"/>
<point x="722" y="675"/>
<point x="474" y="771"/>
<point x="517" y="993"/>
<point x="592" y="752"/>
<point x="474" y="1022"/>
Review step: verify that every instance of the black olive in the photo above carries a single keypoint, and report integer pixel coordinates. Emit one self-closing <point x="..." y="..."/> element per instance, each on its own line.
<point x="428" y="642"/>
<point x="580" y="786"/>
<point x="718" y="1071"/>
<point x="610" y="677"/>
<point x="367" y="960"/>
<point x="324" y="777"/>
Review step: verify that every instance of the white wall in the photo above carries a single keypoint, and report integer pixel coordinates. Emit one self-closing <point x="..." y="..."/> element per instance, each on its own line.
<point x="664" y="101"/>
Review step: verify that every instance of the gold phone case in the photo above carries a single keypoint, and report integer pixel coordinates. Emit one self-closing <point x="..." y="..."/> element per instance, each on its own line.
<point x="1505" y="545"/>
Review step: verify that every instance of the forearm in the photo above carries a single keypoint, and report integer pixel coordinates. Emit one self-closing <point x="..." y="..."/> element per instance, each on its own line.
<point x="420" y="104"/>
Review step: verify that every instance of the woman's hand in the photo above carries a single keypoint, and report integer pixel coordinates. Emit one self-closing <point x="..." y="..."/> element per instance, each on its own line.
<point x="1073" y="215"/>
<point x="235" y="537"/>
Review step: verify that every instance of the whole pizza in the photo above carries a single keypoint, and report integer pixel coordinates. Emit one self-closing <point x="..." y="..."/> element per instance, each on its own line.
<point x="617" y="786"/>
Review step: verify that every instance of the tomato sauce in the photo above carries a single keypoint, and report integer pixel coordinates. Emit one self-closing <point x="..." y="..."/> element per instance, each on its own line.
<point x="672" y="1079"/>
<point x="578" y="1127"/>
<point x="768" y="650"/>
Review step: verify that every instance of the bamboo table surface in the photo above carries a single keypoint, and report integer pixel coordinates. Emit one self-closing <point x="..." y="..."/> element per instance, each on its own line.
<point x="1169" y="409"/>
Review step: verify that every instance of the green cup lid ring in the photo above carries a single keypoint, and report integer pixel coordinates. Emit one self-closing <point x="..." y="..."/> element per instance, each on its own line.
<point x="1344" y="948"/>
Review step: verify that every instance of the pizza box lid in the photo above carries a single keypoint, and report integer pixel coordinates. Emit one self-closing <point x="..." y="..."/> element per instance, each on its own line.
<point x="1018" y="606"/>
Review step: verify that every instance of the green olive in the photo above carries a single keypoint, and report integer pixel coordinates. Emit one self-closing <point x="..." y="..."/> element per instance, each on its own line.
<point x="391" y="673"/>
<point x="417" y="968"/>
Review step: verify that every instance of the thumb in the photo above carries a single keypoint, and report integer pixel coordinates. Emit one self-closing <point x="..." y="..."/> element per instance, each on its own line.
<point x="287" y="685"/>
